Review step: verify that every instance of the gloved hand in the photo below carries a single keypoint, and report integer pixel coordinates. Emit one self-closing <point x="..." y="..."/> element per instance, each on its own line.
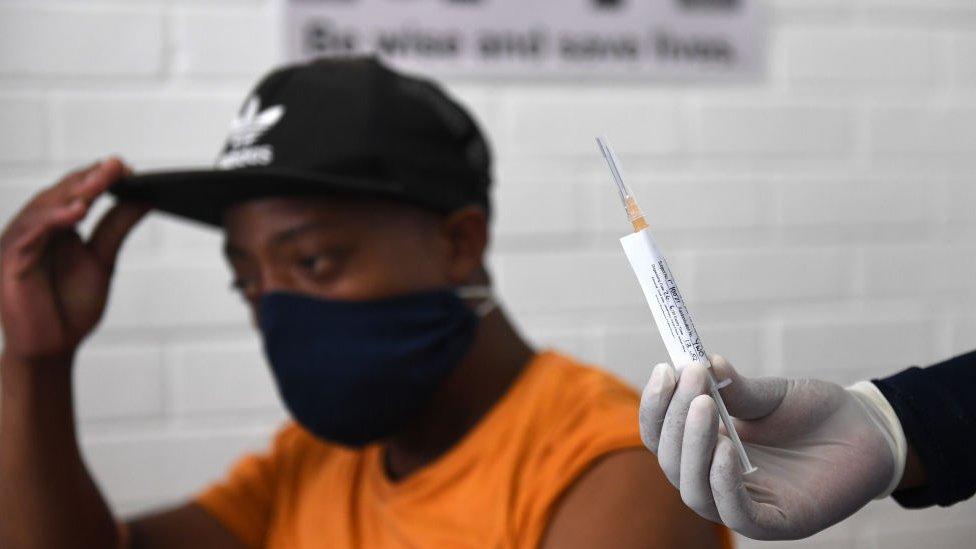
<point x="822" y="451"/>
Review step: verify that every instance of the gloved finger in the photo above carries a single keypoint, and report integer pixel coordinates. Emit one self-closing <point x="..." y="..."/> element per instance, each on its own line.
<point x="701" y="432"/>
<point x="748" y="398"/>
<point x="736" y="506"/>
<point x="692" y="382"/>
<point x="654" y="404"/>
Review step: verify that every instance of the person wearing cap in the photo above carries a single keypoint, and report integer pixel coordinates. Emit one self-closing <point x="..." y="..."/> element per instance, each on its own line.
<point x="354" y="202"/>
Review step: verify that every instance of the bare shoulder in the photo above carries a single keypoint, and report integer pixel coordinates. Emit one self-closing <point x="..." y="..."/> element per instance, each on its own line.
<point x="625" y="501"/>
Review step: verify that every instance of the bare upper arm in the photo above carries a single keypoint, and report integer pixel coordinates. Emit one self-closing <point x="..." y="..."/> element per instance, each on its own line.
<point x="624" y="501"/>
<point x="188" y="525"/>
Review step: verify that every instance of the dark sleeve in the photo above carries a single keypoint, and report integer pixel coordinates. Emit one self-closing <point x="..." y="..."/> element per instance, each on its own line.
<point x="937" y="410"/>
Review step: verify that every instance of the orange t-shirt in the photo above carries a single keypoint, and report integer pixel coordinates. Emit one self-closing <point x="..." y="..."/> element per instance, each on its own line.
<point x="495" y="488"/>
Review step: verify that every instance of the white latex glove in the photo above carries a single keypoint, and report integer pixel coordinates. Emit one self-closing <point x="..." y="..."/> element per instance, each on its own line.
<point x="822" y="451"/>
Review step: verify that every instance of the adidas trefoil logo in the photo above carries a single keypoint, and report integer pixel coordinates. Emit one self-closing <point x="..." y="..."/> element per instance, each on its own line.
<point x="250" y="124"/>
<point x="246" y="128"/>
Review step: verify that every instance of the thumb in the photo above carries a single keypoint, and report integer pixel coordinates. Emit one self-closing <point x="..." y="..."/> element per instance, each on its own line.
<point x="748" y="398"/>
<point x="112" y="229"/>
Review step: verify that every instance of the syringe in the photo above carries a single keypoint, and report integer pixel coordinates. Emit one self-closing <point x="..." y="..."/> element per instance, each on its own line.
<point x="670" y="313"/>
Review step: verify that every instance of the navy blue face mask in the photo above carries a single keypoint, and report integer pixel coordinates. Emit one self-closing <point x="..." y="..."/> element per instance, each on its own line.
<point x="355" y="372"/>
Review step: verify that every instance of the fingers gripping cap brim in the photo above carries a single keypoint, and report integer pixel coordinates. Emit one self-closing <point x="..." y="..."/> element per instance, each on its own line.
<point x="203" y="195"/>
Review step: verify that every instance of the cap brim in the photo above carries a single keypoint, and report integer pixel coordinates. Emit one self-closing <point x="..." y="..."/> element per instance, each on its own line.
<point x="203" y="195"/>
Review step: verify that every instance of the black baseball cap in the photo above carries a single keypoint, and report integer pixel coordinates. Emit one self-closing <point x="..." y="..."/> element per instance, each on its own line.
<point x="338" y="125"/>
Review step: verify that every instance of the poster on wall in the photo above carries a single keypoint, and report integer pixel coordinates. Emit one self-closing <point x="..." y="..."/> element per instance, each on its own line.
<point x="667" y="39"/>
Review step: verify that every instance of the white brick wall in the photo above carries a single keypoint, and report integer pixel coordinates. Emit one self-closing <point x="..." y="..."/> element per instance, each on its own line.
<point x="860" y="55"/>
<point x="963" y="52"/>
<point x="773" y="275"/>
<point x="120" y="382"/>
<point x="63" y="40"/>
<point x="763" y="129"/>
<point x="561" y="120"/>
<point x="821" y="220"/>
<point x="199" y="55"/>
<point x="142" y="127"/>
<point x="940" y="129"/>
<point x="27" y="115"/>
<point x="222" y="376"/>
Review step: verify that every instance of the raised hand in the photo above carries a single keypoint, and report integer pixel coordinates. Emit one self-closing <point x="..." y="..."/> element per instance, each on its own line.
<point x="53" y="284"/>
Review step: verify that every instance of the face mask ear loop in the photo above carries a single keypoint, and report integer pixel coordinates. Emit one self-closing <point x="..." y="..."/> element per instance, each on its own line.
<point x="485" y="308"/>
<point x="488" y="304"/>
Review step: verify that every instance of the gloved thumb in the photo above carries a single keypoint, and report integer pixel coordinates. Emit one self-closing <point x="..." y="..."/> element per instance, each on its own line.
<point x="747" y="398"/>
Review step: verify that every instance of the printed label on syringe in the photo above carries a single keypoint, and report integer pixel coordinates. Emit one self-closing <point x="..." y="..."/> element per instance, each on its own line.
<point x="670" y="313"/>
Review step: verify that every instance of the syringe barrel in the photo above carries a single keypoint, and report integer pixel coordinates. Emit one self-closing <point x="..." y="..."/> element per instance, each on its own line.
<point x="674" y="321"/>
<point x="661" y="292"/>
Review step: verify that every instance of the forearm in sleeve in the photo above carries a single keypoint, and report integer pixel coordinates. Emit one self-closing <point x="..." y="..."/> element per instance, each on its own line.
<point x="937" y="410"/>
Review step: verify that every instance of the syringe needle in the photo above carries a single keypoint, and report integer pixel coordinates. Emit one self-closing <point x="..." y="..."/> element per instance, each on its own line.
<point x="614" y="168"/>
<point x="634" y="214"/>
